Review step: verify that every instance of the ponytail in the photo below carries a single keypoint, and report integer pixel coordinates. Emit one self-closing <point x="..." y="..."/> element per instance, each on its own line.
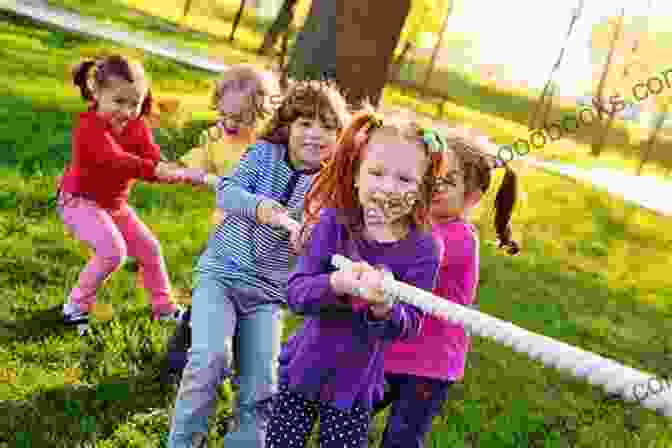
<point x="80" y="77"/>
<point x="107" y="67"/>
<point x="146" y="108"/>
<point x="504" y="204"/>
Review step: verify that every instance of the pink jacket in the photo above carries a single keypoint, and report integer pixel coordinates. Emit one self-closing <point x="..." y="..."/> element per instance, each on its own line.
<point x="440" y="349"/>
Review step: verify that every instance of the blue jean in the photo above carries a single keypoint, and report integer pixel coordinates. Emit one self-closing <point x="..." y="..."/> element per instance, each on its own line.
<point x="216" y="317"/>
<point x="415" y="402"/>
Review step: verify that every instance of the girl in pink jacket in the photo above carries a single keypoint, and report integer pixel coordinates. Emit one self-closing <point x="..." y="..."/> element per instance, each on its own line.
<point x="419" y="371"/>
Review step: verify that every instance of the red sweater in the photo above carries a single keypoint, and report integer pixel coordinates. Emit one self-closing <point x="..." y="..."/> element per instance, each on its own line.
<point x="104" y="166"/>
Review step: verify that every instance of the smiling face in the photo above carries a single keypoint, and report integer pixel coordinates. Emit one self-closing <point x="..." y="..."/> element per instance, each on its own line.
<point x="449" y="195"/>
<point x="310" y="142"/>
<point x="236" y="105"/>
<point x="120" y="101"/>
<point x="392" y="170"/>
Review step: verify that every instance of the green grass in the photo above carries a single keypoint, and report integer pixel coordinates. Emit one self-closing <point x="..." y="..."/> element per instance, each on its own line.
<point x="508" y="108"/>
<point x="594" y="273"/>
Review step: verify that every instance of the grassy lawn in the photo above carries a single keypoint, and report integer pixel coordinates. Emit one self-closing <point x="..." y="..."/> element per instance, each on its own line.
<point x="594" y="273"/>
<point x="504" y="113"/>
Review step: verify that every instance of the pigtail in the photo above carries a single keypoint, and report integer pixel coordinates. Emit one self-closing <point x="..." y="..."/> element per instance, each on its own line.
<point x="505" y="201"/>
<point x="80" y="78"/>
<point x="146" y="108"/>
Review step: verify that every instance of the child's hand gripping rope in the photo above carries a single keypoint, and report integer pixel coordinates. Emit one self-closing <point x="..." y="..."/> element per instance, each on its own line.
<point x="275" y="215"/>
<point x="167" y="173"/>
<point x="362" y="280"/>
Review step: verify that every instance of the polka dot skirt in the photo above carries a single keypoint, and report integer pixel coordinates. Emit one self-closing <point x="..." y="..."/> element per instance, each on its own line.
<point x="293" y="419"/>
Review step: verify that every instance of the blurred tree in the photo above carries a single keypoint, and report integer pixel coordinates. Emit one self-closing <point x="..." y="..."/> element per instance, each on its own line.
<point x="352" y="42"/>
<point x="314" y="52"/>
<point x="539" y="116"/>
<point x="280" y="26"/>
<point x="187" y="7"/>
<point x="600" y="98"/>
<point x="437" y="47"/>
<point x="236" y="20"/>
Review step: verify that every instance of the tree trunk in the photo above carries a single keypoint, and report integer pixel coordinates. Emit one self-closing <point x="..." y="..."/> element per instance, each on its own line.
<point x="314" y="53"/>
<point x="437" y="47"/>
<point x="366" y="40"/>
<point x="279" y="26"/>
<point x="408" y="46"/>
<point x="597" y="147"/>
<point x="236" y="21"/>
<point x="352" y="42"/>
<point x="187" y="7"/>
<point x="651" y="141"/>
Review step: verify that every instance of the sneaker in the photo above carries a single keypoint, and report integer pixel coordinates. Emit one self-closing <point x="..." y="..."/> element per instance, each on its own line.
<point x="179" y="345"/>
<point x="178" y="315"/>
<point x="73" y="315"/>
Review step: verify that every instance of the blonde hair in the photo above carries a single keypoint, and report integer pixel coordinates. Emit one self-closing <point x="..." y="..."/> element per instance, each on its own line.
<point x="264" y="86"/>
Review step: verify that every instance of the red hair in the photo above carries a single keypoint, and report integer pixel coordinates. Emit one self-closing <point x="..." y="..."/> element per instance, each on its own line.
<point x="334" y="185"/>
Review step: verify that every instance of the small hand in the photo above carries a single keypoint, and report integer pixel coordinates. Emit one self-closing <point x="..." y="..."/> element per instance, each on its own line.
<point x="346" y="281"/>
<point x="372" y="282"/>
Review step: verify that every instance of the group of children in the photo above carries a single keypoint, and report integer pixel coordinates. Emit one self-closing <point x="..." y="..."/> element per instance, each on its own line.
<point x="312" y="181"/>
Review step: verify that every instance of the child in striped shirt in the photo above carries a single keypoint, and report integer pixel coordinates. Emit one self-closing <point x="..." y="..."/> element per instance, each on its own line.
<point x="243" y="273"/>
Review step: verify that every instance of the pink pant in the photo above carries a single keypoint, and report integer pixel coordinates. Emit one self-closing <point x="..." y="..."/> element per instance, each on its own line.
<point x="113" y="236"/>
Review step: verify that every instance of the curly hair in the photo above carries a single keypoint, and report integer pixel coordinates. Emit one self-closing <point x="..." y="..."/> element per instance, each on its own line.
<point x="307" y="99"/>
<point x="263" y="86"/>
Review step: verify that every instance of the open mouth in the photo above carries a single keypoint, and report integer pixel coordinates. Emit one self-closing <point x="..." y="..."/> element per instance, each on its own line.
<point x="373" y="216"/>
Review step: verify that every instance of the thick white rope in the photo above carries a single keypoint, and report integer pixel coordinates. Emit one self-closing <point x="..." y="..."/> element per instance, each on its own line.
<point x="596" y="370"/>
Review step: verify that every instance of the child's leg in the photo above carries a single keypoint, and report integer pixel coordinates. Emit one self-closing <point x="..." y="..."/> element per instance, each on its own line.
<point x="147" y="250"/>
<point x="291" y="421"/>
<point x="214" y="321"/>
<point x="258" y="347"/>
<point x="391" y="395"/>
<point x="95" y="226"/>
<point x="411" y="416"/>
<point x="339" y="429"/>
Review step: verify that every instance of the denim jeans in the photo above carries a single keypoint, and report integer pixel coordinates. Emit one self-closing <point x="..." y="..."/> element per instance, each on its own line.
<point x="216" y="317"/>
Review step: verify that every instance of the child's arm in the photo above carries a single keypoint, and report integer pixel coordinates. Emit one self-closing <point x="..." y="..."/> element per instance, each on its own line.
<point x="147" y="148"/>
<point x="310" y="288"/>
<point x="405" y="321"/>
<point x="101" y="149"/>
<point x="197" y="157"/>
<point x="236" y="194"/>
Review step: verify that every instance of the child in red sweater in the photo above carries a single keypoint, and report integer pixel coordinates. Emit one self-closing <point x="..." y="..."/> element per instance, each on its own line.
<point x="112" y="147"/>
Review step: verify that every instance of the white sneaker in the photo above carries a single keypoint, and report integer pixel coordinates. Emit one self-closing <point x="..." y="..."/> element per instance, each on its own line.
<point x="73" y="315"/>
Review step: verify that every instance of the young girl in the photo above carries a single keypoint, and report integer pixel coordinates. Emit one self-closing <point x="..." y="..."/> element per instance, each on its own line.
<point x="242" y="275"/>
<point x="112" y="147"/>
<point x="242" y="97"/>
<point x="333" y="366"/>
<point x="419" y="371"/>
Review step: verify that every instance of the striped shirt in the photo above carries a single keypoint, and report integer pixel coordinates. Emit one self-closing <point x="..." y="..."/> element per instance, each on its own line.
<point x="245" y="250"/>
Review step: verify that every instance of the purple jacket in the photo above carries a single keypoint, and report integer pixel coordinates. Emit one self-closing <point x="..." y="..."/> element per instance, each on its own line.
<point x="337" y="355"/>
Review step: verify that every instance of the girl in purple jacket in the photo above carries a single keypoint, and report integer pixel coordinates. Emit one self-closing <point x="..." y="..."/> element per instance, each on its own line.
<point x="373" y="201"/>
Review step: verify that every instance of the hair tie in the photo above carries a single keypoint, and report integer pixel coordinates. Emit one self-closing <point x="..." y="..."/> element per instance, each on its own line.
<point x="376" y="121"/>
<point x="499" y="163"/>
<point x="434" y="141"/>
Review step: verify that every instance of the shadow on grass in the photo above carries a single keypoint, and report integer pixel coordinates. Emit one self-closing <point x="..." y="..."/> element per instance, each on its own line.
<point x="65" y="416"/>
